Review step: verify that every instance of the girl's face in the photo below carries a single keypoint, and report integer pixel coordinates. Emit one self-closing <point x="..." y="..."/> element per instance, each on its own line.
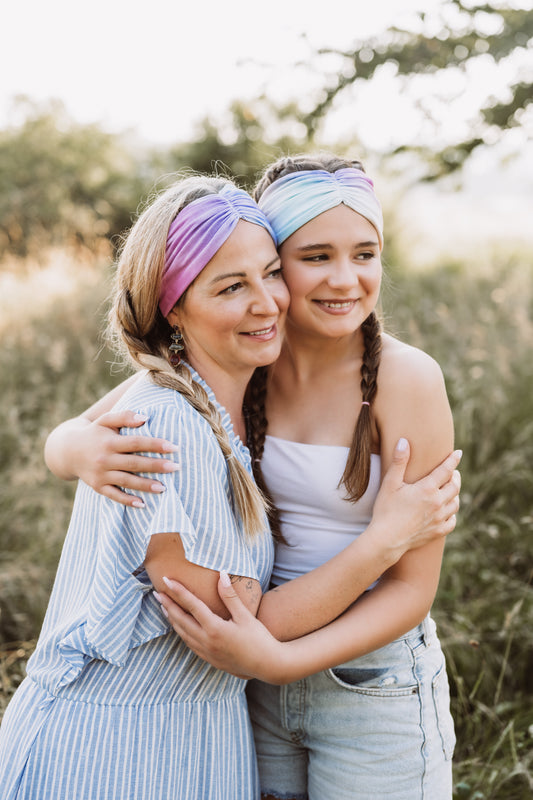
<point x="332" y="268"/>
<point x="232" y="315"/>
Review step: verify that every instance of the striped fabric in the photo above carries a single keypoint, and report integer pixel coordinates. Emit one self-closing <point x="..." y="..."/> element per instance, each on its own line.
<point x="115" y="705"/>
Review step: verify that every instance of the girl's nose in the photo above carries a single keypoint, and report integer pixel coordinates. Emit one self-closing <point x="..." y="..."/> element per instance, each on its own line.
<point x="344" y="274"/>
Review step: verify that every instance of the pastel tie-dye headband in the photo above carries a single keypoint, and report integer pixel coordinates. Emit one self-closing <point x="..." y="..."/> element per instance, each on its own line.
<point x="297" y="198"/>
<point x="197" y="233"/>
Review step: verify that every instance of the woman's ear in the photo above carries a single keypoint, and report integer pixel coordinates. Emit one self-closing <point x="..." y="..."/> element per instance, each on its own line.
<point x="174" y="317"/>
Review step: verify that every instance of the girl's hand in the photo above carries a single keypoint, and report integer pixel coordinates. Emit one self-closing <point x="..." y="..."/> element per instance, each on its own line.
<point x="105" y="460"/>
<point x="417" y="513"/>
<point x="240" y="645"/>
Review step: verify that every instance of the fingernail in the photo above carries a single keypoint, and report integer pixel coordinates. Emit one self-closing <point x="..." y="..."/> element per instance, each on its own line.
<point x="140" y="417"/>
<point x="158" y="487"/>
<point x="402" y="445"/>
<point x="164" y="611"/>
<point x="167" y="581"/>
<point x="157" y="596"/>
<point x="459" y="453"/>
<point x="168" y="447"/>
<point x="138" y="503"/>
<point x="224" y="578"/>
<point x="170" y="466"/>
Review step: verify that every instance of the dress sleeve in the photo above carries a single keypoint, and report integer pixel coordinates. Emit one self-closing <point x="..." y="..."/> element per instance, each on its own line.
<point x="120" y="612"/>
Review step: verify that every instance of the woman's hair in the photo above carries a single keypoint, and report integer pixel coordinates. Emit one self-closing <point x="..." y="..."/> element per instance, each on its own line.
<point x="141" y="333"/>
<point x="357" y="471"/>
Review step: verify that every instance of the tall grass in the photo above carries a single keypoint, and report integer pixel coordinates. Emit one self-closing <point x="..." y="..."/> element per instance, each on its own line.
<point x="478" y="326"/>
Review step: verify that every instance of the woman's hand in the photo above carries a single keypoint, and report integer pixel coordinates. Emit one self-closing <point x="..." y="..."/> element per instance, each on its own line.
<point x="414" y="514"/>
<point x="241" y="645"/>
<point x="96" y="453"/>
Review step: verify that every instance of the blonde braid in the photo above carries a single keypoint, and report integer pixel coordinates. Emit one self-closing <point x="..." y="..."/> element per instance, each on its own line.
<point x="140" y="331"/>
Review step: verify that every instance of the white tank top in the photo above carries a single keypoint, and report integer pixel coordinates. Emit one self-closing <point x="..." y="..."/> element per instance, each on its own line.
<point x="316" y="520"/>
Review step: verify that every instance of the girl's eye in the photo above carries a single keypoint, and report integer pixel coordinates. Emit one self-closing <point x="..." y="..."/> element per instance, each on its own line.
<point x="366" y="256"/>
<point x="316" y="259"/>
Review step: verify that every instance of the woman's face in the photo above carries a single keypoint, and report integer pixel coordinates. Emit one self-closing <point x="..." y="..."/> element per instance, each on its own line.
<point x="232" y="315"/>
<point x="332" y="268"/>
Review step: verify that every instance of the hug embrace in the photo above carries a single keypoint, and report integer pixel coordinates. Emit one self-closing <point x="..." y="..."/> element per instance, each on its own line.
<point x="255" y="621"/>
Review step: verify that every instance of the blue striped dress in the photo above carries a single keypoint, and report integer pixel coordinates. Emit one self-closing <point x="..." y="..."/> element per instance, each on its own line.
<point x="115" y="705"/>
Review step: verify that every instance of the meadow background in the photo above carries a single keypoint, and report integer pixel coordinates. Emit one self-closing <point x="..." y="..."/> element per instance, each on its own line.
<point x="67" y="192"/>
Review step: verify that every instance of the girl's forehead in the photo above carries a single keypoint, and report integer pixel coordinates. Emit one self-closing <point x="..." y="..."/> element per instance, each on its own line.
<point x="339" y="224"/>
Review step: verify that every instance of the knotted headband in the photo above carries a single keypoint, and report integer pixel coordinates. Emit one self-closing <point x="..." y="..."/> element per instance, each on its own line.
<point x="297" y="198"/>
<point x="197" y="233"/>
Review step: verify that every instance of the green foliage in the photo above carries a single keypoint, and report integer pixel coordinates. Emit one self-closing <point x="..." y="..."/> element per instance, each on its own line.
<point x="479" y="328"/>
<point x="61" y="182"/>
<point x="453" y="36"/>
<point x="238" y="145"/>
<point x="51" y="368"/>
<point x="76" y="185"/>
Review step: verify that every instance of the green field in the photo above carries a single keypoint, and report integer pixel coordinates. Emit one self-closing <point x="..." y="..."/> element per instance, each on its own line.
<point x="478" y="325"/>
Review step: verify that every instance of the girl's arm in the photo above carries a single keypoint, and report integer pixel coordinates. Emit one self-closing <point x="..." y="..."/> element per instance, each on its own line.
<point x="412" y="399"/>
<point x="90" y="447"/>
<point x="400" y="601"/>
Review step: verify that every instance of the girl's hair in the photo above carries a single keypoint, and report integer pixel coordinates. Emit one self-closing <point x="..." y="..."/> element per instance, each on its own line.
<point x="141" y="333"/>
<point x="357" y="471"/>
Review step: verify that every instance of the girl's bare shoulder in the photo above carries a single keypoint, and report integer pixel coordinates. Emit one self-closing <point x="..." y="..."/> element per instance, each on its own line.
<point x="406" y="370"/>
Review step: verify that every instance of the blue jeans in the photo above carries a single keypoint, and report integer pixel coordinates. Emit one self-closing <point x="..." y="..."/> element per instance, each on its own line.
<point x="376" y="727"/>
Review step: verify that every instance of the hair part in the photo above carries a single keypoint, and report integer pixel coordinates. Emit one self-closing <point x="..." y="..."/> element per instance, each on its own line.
<point x="140" y="332"/>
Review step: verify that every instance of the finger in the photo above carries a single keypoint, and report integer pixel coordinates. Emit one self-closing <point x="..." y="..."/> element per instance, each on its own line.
<point x="134" y="483"/>
<point x="144" y="444"/>
<point x="231" y="599"/>
<point x="116" y="494"/>
<point x="129" y="462"/>
<point x="451" y="489"/>
<point x="122" y="419"/>
<point x="395" y="474"/>
<point x="188" y="602"/>
<point x="441" y="475"/>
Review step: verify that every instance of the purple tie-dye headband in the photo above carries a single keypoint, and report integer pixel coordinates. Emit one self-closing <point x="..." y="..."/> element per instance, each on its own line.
<point x="197" y="233"/>
<point x="299" y="197"/>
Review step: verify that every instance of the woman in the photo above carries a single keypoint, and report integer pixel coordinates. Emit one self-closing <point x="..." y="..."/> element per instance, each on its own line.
<point x="115" y="705"/>
<point x="295" y="622"/>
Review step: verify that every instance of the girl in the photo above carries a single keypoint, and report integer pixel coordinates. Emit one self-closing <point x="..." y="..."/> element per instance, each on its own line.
<point x="367" y="712"/>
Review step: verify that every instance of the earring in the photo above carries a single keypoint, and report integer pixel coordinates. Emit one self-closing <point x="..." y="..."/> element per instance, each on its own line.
<point x="176" y="347"/>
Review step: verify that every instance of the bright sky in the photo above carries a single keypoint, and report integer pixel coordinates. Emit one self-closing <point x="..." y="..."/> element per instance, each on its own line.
<point x="157" y="66"/>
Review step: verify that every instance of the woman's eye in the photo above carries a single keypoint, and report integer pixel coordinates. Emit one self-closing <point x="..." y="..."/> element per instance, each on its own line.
<point x="366" y="256"/>
<point x="231" y="289"/>
<point x="276" y="273"/>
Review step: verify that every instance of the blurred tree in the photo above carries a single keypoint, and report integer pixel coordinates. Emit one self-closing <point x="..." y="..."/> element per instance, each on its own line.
<point x="237" y="146"/>
<point x="453" y="36"/>
<point x="62" y="182"/>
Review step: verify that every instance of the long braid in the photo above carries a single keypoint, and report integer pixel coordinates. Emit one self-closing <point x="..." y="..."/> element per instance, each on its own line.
<point x="139" y="330"/>
<point x="257" y="428"/>
<point x="357" y="471"/>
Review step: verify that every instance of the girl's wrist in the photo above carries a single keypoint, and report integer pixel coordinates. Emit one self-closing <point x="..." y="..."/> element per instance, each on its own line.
<point x="381" y="546"/>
